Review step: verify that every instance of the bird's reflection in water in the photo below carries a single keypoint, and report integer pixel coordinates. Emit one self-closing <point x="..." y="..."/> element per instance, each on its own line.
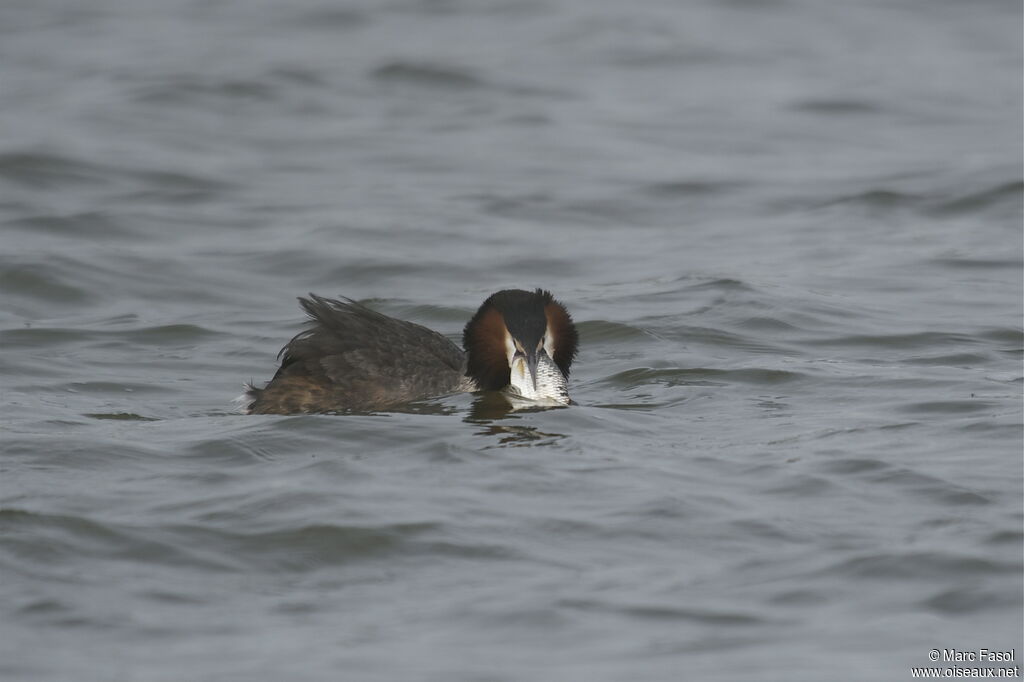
<point x="429" y="407"/>
<point x="492" y="406"/>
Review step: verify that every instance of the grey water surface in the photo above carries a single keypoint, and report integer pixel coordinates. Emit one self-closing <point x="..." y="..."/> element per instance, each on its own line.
<point x="790" y="232"/>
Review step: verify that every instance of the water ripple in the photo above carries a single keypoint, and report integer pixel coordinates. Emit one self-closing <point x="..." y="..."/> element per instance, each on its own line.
<point x="701" y="376"/>
<point x="663" y="612"/>
<point x="427" y="75"/>
<point x="920" y="565"/>
<point x="48" y="171"/>
<point x="161" y="335"/>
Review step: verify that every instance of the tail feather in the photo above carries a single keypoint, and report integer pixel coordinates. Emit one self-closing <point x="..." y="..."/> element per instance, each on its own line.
<point x="244" y="402"/>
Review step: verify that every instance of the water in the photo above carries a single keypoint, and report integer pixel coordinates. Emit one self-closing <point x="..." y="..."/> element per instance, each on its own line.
<point x="791" y="235"/>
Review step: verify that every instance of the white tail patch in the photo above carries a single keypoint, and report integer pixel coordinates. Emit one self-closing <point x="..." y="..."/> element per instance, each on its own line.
<point x="244" y="402"/>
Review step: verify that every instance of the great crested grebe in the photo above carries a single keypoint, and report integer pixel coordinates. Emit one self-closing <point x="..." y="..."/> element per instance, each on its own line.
<point x="355" y="359"/>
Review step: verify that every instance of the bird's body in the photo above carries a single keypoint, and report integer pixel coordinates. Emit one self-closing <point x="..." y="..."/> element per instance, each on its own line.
<point x="352" y="358"/>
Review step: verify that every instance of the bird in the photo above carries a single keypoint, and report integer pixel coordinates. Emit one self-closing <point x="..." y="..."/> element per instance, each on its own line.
<point x="354" y="359"/>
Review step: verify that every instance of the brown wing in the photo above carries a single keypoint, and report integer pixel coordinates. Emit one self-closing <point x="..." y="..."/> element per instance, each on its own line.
<point x="354" y="358"/>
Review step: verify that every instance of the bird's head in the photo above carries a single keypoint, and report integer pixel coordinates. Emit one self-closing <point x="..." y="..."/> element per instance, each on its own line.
<point x="523" y="342"/>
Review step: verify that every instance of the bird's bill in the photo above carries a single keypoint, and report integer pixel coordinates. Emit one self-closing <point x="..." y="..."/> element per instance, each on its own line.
<point x="535" y="376"/>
